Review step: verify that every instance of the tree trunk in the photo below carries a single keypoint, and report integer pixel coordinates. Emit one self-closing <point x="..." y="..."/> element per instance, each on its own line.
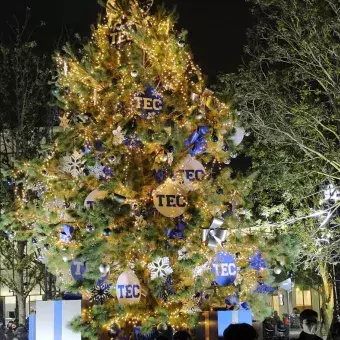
<point x="19" y="278"/>
<point x="327" y="295"/>
<point x="21" y="309"/>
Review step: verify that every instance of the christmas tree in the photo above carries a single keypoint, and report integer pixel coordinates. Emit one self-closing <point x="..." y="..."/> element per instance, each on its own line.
<point x="135" y="204"/>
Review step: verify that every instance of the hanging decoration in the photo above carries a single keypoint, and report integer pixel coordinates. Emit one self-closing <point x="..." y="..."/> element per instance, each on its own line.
<point x="128" y="288"/>
<point x="257" y="262"/>
<point x="73" y="164"/>
<point x="203" y="101"/>
<point x="197" y="141"/>
<point x="149" y="103"/>
<point x="224" y="268"/>
<point x="101" y="293"/>
<point x="118" y="136"/>
<point x="192" y="172"/>
<point x="169" y="199"/>
<point x="64" y="121"/>
<point x="214" y="236"/>
<point x="183" y="254"/>
<point x="95" y="195"/>
<point x="98" y="170"/>
<point x="264" y="289"/>
<point x="78" y="269"/>
<point x="66" y="234"/>
<point x="160" y="268"/>
<point x="238" y="136"/>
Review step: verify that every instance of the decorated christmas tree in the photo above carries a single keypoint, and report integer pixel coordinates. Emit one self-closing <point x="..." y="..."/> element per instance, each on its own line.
<point x="136" y="205"/>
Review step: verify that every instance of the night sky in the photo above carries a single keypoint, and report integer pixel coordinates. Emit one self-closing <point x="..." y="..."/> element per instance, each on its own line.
<point x="217" y="28"/>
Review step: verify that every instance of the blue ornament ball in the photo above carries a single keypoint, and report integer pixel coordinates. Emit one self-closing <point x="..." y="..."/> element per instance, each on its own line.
<point x="224" y="268"/>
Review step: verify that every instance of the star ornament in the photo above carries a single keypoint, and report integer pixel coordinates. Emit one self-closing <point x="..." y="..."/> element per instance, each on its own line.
<point x="64" y="121"/>
<point x="100" y="293"/>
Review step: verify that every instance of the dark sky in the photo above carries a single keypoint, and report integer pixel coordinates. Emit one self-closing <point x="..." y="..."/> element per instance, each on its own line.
<point x="217" y="28"/>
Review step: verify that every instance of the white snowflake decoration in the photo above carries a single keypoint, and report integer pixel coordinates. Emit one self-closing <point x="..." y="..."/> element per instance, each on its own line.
<point x="200" y="270"/>
<point x="183" y="254"/>
<point x="191" y="308"/>
<point x="73" y="164"/>
<point x="97" y="170"/>
<point x="140" y="222"/>
<point x="118" y="136"/>
<point x="160" y="268"/>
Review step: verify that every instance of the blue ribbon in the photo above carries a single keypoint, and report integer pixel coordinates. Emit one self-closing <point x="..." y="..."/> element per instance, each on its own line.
<point x="264" y="289"/>
<point x="58" y="318"/>
<point x="66" y="234"/>
<point x="177" y="233"/>
<point x="198" y="141"/>
<point x="159" y="176"/>
<point x="257" y="262"/>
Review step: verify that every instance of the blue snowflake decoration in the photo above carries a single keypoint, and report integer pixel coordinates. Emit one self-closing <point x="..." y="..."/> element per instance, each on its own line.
<point x="150" y="102"/>
<point x="101" y="293"/>
<point x="133" y="141"/>
<point x="257" y="262"/>
<point x="264" y="289"/>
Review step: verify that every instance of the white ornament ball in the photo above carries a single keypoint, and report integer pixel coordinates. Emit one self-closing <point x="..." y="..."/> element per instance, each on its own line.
<point x="128" y="288"/>
<point x="104" y="268"/>
<point x="65" y="258"/>
<point x="199" y="116"/>
<point x="134" y="73"/>
<point x="277" y="270"/>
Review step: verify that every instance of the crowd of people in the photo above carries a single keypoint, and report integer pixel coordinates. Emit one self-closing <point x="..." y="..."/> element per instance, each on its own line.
<point x="307" y="321"/>
<point x="12" y="331"/>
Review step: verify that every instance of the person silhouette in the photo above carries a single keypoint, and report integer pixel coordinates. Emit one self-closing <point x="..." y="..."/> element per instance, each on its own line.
<point x="309" y="324"/>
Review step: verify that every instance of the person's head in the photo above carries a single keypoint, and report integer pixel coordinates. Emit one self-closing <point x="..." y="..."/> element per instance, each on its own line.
<point x="181" y="335"/>
<point x="309" y="321"/>
<point x="240" y="331"/>
<point x="295" y="310"/>
<point x="275" y="313"/>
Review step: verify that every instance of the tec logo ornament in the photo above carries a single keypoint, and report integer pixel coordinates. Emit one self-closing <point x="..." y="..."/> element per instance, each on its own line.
<point x="169" y="199"/>
<point x="128" y="288"/>
<point x="224" y="268"/>
<point x="192" y="172"/>
<point x="149" y="103"/>
<point x="78" y="269"/>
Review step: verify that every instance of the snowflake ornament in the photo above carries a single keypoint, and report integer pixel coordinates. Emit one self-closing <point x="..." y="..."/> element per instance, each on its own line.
<point x="140" y="222"/>
<point x="200" y="270"/>
<point x="191" y="307"/>
<point x="183" y="254"/>
<point x="118" y="136"/>
<point x="97" y="170"/>
<point x="160" y="268"/>
<point x="101" y="293"/>
<point x="73" y="164"/>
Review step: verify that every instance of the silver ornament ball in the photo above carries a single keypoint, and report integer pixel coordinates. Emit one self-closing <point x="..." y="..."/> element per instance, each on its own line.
<point x="134" y="73"/>
<point x="104" y="268"/>
<point x="277" y="270"/>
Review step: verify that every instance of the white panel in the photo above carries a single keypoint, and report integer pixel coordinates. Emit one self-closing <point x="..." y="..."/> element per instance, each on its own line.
<point x="71" y="310"/>
<point x="45" y="320"/>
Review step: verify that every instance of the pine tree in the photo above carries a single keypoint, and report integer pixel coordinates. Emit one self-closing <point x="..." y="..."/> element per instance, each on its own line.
<point x="138" y="174"/>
